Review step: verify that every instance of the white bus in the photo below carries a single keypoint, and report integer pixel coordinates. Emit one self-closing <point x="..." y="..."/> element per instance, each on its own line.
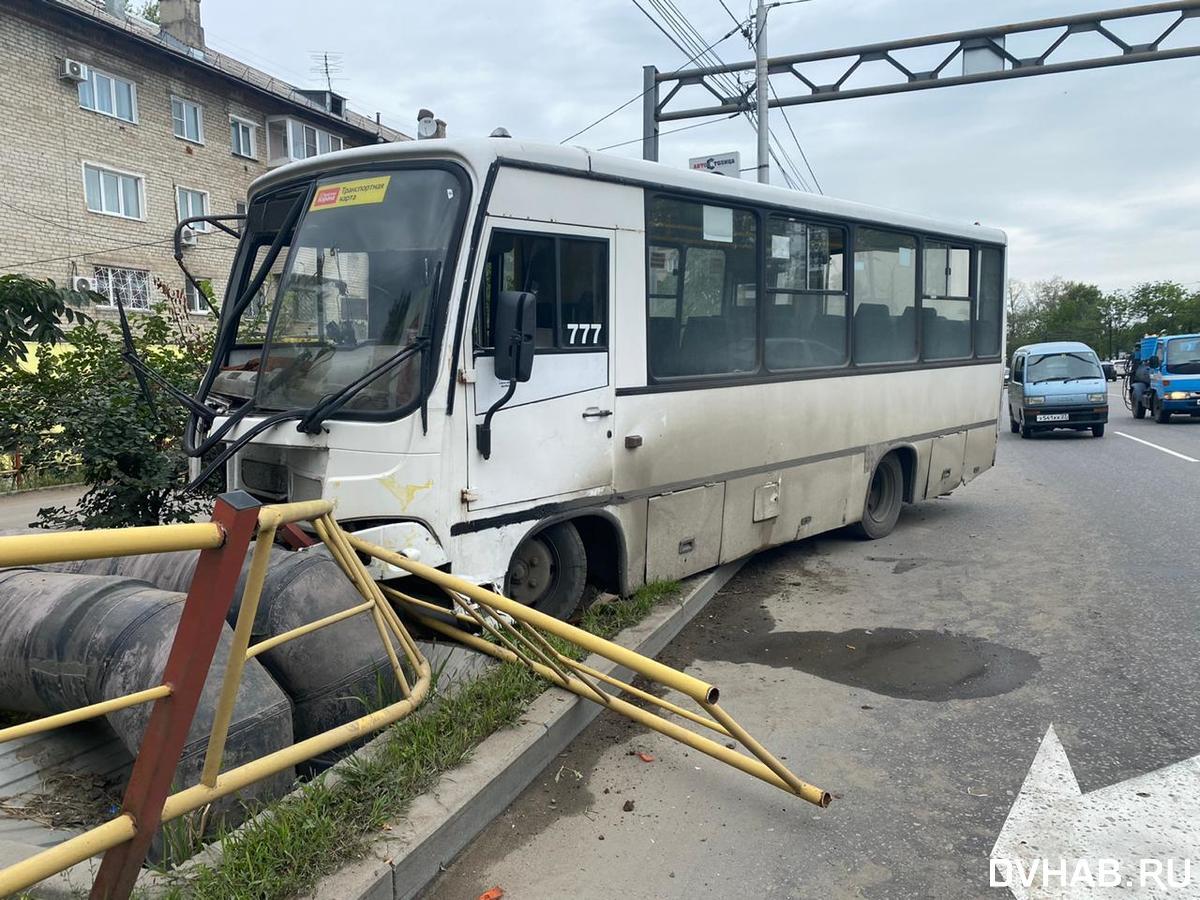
<point x="694" y="368"/>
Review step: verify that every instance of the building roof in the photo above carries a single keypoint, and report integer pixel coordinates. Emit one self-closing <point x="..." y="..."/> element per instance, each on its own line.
<point x="217" y="63"/>
<point x="479" y="153"/>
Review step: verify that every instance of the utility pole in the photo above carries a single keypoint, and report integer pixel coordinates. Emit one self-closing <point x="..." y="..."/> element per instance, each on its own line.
<point x="761" y="93"/>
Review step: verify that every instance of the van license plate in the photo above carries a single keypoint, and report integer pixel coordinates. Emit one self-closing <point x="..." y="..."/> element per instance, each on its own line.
<point x="1054" y="417"/>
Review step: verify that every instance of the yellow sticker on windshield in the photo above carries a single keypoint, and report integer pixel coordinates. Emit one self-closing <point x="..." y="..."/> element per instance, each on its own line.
<point x="362" y="192"/>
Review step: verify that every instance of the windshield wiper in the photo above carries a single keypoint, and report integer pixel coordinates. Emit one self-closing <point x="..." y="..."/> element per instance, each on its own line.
<point x="332" y="402"/>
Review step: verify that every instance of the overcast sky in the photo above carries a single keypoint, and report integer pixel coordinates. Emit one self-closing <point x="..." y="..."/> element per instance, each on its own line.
<point x="1094" y="175"/>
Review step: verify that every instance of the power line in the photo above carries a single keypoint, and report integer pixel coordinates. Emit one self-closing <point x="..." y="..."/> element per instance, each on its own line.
<point x="672" y="131"/>
<point x="803" y="155"/>
<point x="34" y="262"/>
<point x="637" y="97"/>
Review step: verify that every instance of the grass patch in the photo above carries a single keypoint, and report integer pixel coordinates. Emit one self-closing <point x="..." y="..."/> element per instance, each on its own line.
<point x="317" y="830"/>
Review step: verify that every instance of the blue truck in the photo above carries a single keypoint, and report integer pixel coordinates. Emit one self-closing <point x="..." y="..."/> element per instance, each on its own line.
<point x="1164" y="377"/>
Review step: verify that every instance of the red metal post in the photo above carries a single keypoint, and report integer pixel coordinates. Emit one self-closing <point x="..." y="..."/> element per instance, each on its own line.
<point x="204" y="611"/>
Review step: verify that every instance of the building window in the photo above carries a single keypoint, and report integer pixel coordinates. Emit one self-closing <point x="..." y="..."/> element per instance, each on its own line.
<point x="192" y="203"/>
<point x="291" y="139"/>
<point x="109" y="95"/>
<point x="243" y="138"/>
<point x="187" y="119"/>
<point x="130" y="286"/>
<point x="113" y="193"/>
<point x="197" y="300"/>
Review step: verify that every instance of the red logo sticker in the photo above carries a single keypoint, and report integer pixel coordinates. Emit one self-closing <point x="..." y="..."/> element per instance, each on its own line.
<point x="327" y="197"/>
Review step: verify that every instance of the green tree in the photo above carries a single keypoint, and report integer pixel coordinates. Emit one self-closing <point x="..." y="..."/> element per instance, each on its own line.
<point x="34" y="312"/>
<point x="82" y="406"/>
<point x="147" y="9"/>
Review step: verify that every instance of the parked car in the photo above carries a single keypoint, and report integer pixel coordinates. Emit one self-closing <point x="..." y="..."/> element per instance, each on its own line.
<point x="1059" y="384"/>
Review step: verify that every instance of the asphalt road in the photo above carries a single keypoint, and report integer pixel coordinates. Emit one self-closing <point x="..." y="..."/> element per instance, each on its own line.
<point x="915" y="677"/>
<point x="17" y="511"/>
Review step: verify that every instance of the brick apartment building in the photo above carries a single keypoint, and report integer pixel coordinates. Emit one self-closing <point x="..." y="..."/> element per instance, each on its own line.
<point x="113" y="129"/>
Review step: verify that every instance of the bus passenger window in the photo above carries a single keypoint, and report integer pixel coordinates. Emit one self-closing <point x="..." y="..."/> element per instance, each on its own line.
<point x="806" y="301"/>
<point x="569" y="277"/>
<point x="991" y="302"/>
<point x="885" y="297"/>
<point x="702" y="283"/>
<point x="946" y="302"/>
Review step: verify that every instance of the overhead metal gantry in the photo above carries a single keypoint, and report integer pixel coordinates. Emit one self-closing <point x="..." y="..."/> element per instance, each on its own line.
<point x="972" y="57"/>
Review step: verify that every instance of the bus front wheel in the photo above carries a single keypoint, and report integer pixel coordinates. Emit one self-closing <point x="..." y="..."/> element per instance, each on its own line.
<point x="548" y="571"/>
<point x="885" y="495"/>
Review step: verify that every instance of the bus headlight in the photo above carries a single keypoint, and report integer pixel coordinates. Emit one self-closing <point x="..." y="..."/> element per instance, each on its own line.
<point x="1097" y="398"/>
<point x="1034" y="401"/>
<point x="1177" y="395"/>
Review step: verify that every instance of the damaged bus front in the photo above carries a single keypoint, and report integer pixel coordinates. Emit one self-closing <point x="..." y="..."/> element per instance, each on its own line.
<point x="329" y="343"/>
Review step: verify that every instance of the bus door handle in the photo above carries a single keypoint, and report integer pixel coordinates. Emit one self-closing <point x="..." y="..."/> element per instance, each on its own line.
<point x="595" y="412"/>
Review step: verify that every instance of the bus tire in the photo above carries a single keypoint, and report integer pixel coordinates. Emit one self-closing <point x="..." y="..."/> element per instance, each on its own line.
<point x="548" y="571"/>
<point x="885" y="496"/>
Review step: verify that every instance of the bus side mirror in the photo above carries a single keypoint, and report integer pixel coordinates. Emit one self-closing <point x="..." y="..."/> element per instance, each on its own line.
<point x="516" y="325"/>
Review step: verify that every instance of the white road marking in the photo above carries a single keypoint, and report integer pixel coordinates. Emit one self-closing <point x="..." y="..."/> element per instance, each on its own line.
<point x="1157" y="447"/>
<point x="1054" y="829"/>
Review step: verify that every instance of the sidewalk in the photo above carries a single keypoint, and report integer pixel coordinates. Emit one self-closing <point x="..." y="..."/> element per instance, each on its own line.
<point x="18" y="510"/>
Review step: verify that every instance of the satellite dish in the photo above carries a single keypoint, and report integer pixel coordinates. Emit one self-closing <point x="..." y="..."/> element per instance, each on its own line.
<point x="426" y="124"/>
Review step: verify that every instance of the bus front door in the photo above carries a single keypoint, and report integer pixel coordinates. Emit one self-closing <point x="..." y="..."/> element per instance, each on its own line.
<point x="553" y="439"/>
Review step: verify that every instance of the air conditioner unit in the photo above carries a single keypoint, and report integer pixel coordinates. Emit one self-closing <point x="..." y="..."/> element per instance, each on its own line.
<point x="187" y="237"/>
<point x="82" y="284"/>
<point x="72" y="70"/>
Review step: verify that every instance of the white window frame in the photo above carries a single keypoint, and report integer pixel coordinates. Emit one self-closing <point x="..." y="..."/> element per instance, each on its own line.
<point x="252" y="127"/>
<point x="101" y="167"/>
<point x="190" y="293"/>
<point x="206" y="203"/>
<point x="301" y="125"/>
<point x="112" y="303"/>
<point x="133" y="97"/>
<point x="199" y="139"/>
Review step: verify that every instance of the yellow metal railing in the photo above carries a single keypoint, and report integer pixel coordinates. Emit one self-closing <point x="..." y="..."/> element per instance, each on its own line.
<point x="487" y="622"/>
<point x="125" y="829"/>
<point x="516" y="636"/>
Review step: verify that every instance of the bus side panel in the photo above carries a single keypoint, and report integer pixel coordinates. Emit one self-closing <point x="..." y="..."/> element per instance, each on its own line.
<point x="683" y="532"/>
<point x="946" y="464"/>
<point x="980" y="453"/>
<point x="810" y="499"/>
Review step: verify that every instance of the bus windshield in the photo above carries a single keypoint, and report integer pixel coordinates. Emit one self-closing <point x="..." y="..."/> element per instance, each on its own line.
<point x="364" y="269"/>
<point x="1062" y="367"/>
<point x="1183" y="356"/>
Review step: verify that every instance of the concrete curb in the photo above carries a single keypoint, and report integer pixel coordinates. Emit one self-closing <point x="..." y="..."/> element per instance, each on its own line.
<point x="442" y="822"/>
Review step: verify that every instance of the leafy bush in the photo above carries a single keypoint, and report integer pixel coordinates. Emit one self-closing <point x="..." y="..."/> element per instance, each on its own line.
<point x="82" y="405"/>
<point x="33" y="312"/>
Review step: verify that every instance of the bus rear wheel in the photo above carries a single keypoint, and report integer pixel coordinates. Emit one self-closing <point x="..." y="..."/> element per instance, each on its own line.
<point x="548" y="571"/>
<point x="885" y="495"/>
